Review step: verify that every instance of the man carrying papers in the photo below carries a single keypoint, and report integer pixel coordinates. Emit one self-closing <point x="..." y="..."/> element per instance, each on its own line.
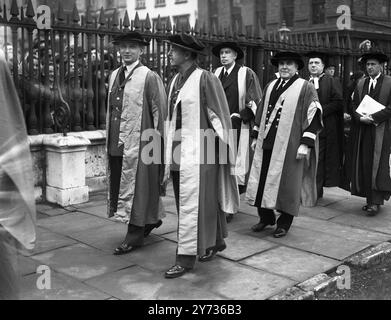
<point x="371" y="136"/>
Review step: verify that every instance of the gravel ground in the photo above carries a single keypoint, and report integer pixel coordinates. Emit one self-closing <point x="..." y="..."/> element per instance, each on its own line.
<point x="366" y="284"/>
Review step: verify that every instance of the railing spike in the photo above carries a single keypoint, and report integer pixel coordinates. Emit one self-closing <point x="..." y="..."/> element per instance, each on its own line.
<point x="137" y="24"/>
<point x="126" y="22"/>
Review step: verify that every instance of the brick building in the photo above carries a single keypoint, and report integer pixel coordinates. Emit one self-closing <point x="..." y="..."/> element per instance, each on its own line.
<point x="300" y="15"/>
<point x="179" y="12"/>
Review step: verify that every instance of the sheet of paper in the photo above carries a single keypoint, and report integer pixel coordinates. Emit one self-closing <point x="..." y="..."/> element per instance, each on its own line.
<point x="369" y="106"/>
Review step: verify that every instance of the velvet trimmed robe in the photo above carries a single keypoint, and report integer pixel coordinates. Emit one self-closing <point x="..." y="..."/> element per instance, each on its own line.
<point x="204" y="174"/>
<point x="249" y="93"/>
<point x="289" y="182"/>
<point x="371" y="144"/>
<point x="141" y="132"/>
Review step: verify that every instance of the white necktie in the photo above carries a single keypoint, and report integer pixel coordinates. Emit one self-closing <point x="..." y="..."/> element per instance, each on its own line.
<point x="372" y="84"/>
<point x="282" y="84"/>
<point x="315" y="80"/>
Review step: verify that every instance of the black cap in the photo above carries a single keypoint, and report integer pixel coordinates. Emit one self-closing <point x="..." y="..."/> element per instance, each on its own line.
<point x="287" y="55"/>
<point x="321" y="55"/>
<point x="187" y="42"/>
<point x="130" y="36"/>
<point x="229" y="44"/>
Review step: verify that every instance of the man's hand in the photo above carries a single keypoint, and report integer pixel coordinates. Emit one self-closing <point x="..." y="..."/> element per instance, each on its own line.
<point x="367" y="119"/>
<point x="347" y="117"/>
<point x="303" y="152"/>
<point x="253" y="144"/>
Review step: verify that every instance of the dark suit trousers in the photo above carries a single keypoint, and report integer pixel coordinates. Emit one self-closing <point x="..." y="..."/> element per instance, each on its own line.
<point x="320" y="174"/>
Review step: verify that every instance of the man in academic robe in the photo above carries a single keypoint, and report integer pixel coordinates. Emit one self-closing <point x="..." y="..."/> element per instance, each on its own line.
<point x="371" y="136"/>
<point x="199" y="156"/>
<point x="283" y="172"/>
<point x="331" y="137"/>
<point x="17" y="203"/>
<point x="243" y="92"/>
<point x="136" y="111"/>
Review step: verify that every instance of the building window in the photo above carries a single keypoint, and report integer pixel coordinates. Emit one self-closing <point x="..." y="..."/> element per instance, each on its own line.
<point x="163" y="21"/>
<point x="378" y="8"/>
<point x="318" y="11"/>
<point x="180" y="1"/>
<point x="182" y="20"/>
<point x="213" y="13"/>
<point x="140" y="4"/>
<point x="288" y="12"/>
<point x="236" y="13"/>
<point x="261" y="13"/>
<point x="160" y="3"/>
<point x="236" y="18"/>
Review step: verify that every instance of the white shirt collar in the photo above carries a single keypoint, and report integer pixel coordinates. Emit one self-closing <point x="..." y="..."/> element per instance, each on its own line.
<point x="230" y="69"/>
<point x="129" y="68"/>
<point x="376" y="78"/>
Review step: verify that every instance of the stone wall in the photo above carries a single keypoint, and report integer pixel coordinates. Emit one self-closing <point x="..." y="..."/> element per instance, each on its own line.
<point x="95" y="161"/>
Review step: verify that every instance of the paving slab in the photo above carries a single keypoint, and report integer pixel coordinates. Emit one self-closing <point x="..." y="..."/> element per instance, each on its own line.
<point x="323" y="213"/>
<point x="169" y="204"/>
<point x="81" y="261"/>
<point x="247" y="209"/>
<point x="320" y="243"/>
<point x="172" y="236"/>
<point x="99" y="211"/>
<point x="157" y="257"/>
<point x="236" y="281"/>
<point x="136" y="283"/>
<point x="354" y="206"/>
<point x="26" y="265"/>
<point x="62" y="288"/>
<point x="328" y="200"/>
<point x="108" y="237"/>
<point x="343" y="231"/>
<point x="47" y="240"/>
<point x="57" y="211"/>
<point x="72" y="223"/>
<point x="242" y="221"/>
<point x="97" y="199"/>
<point x="378" y="223"/>
<point x="42" y="207"/>
<point x="41" y="216"/>
<point x="170" y="224"/>
<point x="241" y="246"/>
<point x="290" y="263"/>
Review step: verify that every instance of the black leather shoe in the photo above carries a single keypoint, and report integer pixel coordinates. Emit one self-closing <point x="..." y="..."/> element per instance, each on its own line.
<point x="372" y="210"/>
<point x="148" y="228"/>
<point x="229" y="218"/>
<point x="124" y="248"/>
<point x="279" y="233"/>
<point x="211" y="253"/>
<point x="261" y="226"/>
<point x="176" y="271"/>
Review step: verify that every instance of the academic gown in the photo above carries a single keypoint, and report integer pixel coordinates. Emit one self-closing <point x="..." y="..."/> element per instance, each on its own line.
<point x="242" y="90"/>
<point x="207" y="185"/>
<point x="289" y="182"/>
<point x="370" y="171"/>
<point x="331" y="137"/>
<point x="144" y="108"/>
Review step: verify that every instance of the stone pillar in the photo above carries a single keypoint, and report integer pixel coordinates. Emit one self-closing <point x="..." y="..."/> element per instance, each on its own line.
<point x="66" y="170"/>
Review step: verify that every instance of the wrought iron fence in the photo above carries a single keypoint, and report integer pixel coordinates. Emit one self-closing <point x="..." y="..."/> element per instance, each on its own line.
<point x="77" y="50"/>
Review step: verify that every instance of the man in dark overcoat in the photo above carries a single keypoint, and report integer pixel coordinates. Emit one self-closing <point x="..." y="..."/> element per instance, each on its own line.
<point x="331" y="137"/>
<point x="371" y="136"/>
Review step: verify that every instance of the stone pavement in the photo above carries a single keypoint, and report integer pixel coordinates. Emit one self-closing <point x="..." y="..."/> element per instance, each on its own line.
<point x="77" y="243"/>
